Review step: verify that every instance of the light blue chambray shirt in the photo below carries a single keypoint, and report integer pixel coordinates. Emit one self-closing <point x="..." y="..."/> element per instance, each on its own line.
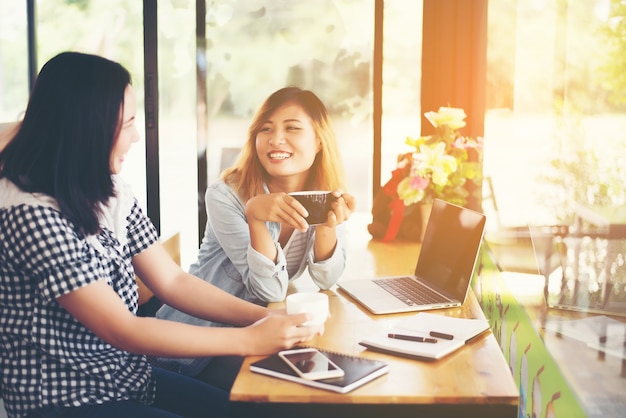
<point x="227" y="260"/>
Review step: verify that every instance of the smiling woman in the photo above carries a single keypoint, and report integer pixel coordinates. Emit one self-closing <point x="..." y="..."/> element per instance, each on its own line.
<point x="257" y="238"/>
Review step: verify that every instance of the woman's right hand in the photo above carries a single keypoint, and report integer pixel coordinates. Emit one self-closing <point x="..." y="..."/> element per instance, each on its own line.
<point x="279" y="331"/>
<point x="277" y="207"/>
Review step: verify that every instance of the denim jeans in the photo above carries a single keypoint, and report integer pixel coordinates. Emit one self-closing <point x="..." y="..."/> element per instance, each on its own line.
<point x="177" y="396"/>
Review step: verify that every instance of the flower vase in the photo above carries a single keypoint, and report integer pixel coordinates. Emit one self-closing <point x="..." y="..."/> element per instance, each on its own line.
<point x="424" y="209"/>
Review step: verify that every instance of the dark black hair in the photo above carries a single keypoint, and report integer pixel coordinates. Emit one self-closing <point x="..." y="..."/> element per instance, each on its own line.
<point x="64" y="143"/>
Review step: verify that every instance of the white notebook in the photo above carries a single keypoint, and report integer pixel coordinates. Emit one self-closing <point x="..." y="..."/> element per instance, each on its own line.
<point x="450" y="334"/>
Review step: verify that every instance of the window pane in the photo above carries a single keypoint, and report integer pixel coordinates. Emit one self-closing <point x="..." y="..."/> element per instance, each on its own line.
<point x="177" y="124"/>
<point x="13" y="61"/>
<point x="554" y="131"/>
<point x="401" y="79"/>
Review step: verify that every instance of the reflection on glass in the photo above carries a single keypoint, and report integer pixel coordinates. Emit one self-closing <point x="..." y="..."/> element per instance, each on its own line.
<point x="402" y="76"/>
<point x="112" y="29"/>
<point x="553" y="132"/>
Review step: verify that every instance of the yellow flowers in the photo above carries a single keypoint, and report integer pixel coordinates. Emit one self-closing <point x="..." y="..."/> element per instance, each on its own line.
<point x="452" y="117"/>
<point x="434" y="161"/>
<point x="443" y="162"/>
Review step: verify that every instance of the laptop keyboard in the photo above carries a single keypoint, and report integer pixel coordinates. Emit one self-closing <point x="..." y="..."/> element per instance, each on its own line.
<point x="408" y="291"/>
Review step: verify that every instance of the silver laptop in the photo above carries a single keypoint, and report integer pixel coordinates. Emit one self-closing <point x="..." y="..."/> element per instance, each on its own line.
<point x="444" y="267"/>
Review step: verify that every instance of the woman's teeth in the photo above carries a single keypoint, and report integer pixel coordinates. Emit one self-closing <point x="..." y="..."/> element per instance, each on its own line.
<point x="279" y="155"/>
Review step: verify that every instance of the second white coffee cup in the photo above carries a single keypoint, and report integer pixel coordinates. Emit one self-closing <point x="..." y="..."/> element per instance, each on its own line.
<point x="315" y="304"/>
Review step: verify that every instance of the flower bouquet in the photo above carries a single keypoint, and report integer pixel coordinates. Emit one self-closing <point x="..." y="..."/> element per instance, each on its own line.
<point x="442" y="163"/>
<point x="440" y="167"/>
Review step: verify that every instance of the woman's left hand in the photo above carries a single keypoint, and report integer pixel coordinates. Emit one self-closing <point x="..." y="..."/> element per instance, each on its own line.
<point x="341" y="208"/>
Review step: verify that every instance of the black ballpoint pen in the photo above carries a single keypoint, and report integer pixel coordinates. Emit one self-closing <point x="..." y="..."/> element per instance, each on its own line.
<point x="412" y="338"/>
<point x="441" y="335"/>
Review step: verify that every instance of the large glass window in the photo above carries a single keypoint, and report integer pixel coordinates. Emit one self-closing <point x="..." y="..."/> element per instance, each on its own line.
<point x="113" y="29"/>
<point x="554" y="130"/>
<point x="257" y="47"/>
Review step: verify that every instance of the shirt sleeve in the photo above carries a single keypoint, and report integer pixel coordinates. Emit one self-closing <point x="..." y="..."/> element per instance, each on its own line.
<point x="326" y="273"/>
<point x="266" y="280"/>
<point x="141" y="232"/>
<point x="46" y="248"/>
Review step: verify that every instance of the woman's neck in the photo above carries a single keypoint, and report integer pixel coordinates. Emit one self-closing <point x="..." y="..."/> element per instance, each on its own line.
<point x="285" y="185"/>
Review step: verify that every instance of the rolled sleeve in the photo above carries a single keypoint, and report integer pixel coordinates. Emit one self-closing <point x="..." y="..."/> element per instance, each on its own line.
<point x="268" y="280"/>
<point x="141" y="231"/>
<point x="326" y="273"/>
<point x="262" y="278"/>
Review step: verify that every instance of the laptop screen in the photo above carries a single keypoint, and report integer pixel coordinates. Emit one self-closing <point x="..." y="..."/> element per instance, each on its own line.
<point x="450" y="248"/>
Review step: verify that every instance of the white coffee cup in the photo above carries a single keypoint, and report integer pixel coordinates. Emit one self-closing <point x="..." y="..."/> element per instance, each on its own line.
<point x="312" y="303"/>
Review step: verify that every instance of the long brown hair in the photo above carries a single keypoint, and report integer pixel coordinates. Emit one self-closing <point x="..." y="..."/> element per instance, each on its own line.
<point x="247" y="174"/>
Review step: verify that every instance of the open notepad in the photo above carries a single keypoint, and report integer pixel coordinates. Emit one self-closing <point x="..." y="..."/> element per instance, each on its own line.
<point x="461" y="331"/>
<point x="358" y="371"/>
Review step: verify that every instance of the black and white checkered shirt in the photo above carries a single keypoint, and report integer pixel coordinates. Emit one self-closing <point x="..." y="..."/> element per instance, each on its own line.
<point x="46" y="356"/>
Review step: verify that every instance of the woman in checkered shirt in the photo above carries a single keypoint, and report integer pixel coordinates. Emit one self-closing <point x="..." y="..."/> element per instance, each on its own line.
<point x="72" y="238"/>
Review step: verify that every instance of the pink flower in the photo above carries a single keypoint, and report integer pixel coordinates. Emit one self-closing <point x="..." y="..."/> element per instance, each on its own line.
<point x="466" y="143"/>
<point x="419" y="183"/>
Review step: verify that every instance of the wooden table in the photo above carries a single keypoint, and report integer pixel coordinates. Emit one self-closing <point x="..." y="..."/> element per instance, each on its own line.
<point x="474" y="381"/>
